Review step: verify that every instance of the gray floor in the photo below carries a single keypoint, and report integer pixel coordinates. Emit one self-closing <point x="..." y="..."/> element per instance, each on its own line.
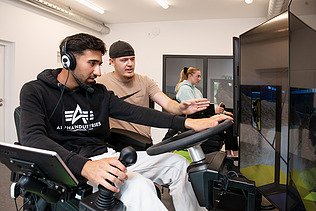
<point x="166" y="198"/>
<point x="6" y="202"/>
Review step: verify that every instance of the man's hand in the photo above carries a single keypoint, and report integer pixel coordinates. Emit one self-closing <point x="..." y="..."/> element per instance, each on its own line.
<point x="104" y="170"/>
<point x="195" y="105"/>
<point x="204" y="123"/>
<point x="220" y="110"/>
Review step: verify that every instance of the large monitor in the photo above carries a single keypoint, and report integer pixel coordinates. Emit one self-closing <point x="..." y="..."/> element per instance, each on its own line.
<point x="278" y="109"/>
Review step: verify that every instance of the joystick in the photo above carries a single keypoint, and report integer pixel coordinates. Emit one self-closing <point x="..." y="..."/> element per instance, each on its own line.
<point x="105" y="199"/>
<point x="128" y="156"/>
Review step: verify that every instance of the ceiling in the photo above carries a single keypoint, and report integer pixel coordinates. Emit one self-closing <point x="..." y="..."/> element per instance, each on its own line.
<point x="133" y="11"/>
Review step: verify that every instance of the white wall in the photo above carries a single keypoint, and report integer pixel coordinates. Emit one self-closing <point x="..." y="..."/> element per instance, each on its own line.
<point x="200" y="37"/>
<point x="37" y="38"/>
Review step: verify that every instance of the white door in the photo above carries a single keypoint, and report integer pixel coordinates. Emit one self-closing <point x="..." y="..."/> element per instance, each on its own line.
<point x="2" y="135"/>
<point x="7" y="92"/>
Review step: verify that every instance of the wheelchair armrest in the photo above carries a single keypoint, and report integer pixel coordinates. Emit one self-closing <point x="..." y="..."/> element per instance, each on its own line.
<point x="120" y="139"/>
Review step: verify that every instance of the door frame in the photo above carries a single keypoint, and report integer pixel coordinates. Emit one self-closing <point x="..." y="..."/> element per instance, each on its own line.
<point x="9" y="91"/>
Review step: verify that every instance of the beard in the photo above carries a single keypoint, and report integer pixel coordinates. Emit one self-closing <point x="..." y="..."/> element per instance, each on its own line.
<point x="91" y="83"/>
<point x="129" y="76"/>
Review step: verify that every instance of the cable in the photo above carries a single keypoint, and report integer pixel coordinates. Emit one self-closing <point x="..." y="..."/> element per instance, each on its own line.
<point x="24" y="204"/>
<point x="232" y="172"/>
<point x="16" y="204"/>
<point x="60" y="97"/>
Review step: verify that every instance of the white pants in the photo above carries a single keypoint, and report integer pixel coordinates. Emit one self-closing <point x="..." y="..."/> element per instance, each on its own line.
<point x="138" y="192"/>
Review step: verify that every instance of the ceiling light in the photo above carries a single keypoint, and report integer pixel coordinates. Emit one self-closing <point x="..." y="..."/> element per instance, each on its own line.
<point x="67" y="13"/>
<point x="163" y="3"/>
<point x="248" y="1"/>
<point x="91" y="5"/>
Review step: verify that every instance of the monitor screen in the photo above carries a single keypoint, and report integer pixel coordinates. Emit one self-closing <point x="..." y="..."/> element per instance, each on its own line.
<point x="277" y="111"/>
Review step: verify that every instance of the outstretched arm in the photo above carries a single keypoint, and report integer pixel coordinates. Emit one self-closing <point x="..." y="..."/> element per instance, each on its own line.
<point x="194" y="105"/>
<point x="187" y="107"/>
<point x="204" y="123"/>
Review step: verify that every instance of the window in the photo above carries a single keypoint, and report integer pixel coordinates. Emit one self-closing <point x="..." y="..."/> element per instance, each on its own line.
<point x="217" y="76"/>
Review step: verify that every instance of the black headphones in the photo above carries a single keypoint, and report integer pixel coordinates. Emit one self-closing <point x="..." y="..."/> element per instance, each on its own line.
<point x="68" y="60"/>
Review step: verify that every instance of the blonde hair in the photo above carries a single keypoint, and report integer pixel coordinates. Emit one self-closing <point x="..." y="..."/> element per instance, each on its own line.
<point x="184" y="74"/>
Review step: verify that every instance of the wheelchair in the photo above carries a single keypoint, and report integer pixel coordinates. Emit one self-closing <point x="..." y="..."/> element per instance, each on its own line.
<point x="45" y="183"/>
<point x="210" y="177"/>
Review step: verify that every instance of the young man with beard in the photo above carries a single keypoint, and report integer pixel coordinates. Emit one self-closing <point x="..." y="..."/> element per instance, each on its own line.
<point x="66" y="111"/>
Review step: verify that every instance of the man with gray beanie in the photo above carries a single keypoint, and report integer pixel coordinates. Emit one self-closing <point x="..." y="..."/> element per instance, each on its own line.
<point x="138" y="89"/>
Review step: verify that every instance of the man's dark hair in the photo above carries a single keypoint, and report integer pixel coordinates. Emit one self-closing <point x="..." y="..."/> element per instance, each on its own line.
<point x="78" y="43"/>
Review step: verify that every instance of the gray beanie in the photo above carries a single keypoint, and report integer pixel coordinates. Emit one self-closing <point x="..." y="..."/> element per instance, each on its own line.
<point x="120" y="49"/>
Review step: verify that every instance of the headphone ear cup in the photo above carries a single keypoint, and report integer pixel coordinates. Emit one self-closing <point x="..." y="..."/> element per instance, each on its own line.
<point x="68" y="61"/>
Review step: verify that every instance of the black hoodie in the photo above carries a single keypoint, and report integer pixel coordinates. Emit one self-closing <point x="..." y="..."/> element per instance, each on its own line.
<point x="75" y="123"/>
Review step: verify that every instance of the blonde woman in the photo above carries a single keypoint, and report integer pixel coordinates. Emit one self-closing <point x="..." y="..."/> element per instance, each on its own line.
<point x="186" y="87"/>
<point x="186" y="90"/>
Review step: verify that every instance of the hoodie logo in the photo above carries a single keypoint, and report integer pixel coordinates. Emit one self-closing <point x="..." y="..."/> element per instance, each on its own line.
<point x="77" y="114"/>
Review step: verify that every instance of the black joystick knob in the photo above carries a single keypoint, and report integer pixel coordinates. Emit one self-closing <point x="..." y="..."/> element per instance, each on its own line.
<point x="106" y="199"/>
<point x="128" y="156"/>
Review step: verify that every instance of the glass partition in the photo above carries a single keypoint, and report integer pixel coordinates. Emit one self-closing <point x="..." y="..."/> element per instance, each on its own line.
<point x="217" y="75"/>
